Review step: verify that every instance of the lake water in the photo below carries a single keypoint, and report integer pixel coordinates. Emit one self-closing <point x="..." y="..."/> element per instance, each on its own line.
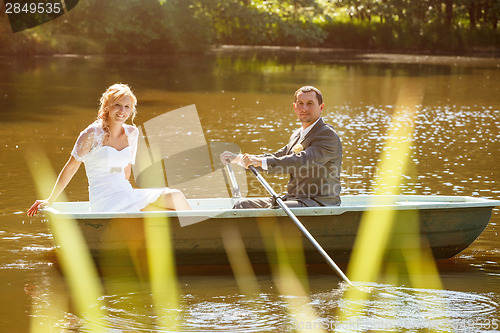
<point x="245" y="97"/>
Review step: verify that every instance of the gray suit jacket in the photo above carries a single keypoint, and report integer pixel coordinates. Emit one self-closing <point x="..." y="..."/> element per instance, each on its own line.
<point x="314" y="172"/>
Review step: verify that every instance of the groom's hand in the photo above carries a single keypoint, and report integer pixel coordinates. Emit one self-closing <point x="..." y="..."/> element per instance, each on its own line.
<point x="229" y="157"/>
<point x="247" y="160"/>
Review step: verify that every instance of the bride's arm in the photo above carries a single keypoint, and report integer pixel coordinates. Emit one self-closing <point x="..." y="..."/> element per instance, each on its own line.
<point x="128" y="171"/>
<point x="65" y="176"/>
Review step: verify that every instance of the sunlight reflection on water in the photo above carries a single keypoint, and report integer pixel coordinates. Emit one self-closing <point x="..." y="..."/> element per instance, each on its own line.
<point x="443" y="161"/>
<point x="389" y="308"/>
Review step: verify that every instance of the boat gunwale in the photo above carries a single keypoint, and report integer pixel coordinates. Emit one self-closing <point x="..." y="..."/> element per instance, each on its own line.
<point x="383" y="202"/>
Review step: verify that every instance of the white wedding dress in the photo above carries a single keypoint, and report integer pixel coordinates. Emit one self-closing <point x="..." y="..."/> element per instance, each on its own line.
<point x="109" y="190"/>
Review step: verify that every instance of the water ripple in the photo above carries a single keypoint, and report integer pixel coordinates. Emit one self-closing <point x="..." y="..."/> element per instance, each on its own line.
<point x="388" y="307"/>
<point x="233" y="313"/>
<point x="395" y="308"/>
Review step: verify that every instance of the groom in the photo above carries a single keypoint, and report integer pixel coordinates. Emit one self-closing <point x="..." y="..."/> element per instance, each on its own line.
<point x="312" y="157"/>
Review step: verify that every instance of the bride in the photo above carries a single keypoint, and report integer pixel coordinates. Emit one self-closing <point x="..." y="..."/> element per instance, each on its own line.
<point x="108" y="147"/>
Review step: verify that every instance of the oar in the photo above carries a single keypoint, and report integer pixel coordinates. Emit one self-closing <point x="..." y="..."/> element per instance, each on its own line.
<point x="300" y="225"/>
<point x="236" y="194"/>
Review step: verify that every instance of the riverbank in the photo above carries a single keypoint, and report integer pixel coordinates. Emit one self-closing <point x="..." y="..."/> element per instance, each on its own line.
<point x="421" y="56"/>
<point x="418" y="56"/>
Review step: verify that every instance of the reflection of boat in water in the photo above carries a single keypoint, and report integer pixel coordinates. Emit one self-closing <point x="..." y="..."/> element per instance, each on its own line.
<point x="448" y="224"/>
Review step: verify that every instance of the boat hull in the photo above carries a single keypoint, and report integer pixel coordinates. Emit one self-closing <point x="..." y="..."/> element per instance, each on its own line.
<point x="446" y="229"/>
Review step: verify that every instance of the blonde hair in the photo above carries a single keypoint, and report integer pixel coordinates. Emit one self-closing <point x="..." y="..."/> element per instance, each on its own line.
<point x="109" y="97"/>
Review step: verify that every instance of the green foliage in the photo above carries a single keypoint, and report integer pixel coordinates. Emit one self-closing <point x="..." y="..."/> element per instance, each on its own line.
<point x="408" y="25"/>
<point x="145" y="26"/>
<point x="265" y="22"/>
<point x="120" y="26"/>
<point x="173" y="26"/>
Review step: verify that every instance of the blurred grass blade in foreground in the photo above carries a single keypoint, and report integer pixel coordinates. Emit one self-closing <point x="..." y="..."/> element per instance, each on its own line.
<point x="162" y="272"/>
<point x="73" y="255"/>
<point x="240" y="263"/>
<point x="286" y="256"/>
<point x="376" y="231"/>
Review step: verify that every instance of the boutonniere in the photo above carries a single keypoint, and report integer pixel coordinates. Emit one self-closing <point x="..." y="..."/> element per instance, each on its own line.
<point x="297" y="148"/>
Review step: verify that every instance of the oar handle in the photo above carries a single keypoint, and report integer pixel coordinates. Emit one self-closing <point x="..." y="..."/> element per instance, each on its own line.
<point x="300" y="225"/>
<point x="236" y="193"/>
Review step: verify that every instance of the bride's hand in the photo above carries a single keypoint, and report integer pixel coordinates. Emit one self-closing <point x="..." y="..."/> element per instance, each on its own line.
<point x="38" y="204"/>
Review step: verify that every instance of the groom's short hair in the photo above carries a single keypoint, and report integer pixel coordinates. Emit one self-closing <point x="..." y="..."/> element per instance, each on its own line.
<point x="306" y="89"/>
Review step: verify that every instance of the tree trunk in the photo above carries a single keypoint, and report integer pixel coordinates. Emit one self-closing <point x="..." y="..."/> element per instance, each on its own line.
<point x="448" y="13"/>
<point x="472" y="15"/>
